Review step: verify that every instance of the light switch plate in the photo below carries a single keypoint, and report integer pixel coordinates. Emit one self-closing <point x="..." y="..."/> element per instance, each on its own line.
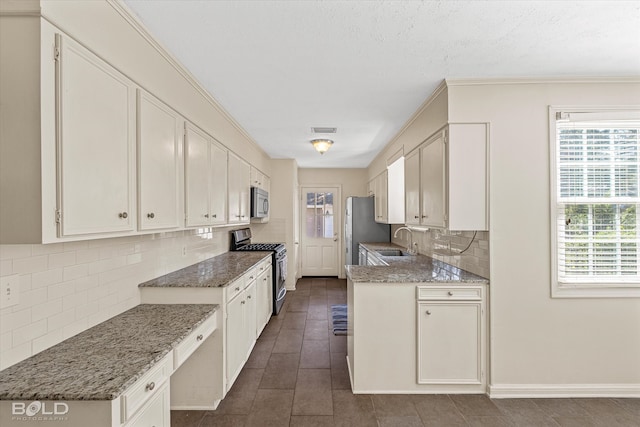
<point x="9" y="290"/>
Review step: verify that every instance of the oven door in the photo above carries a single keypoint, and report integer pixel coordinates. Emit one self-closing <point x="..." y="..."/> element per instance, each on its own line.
<point x="259" y="203"/>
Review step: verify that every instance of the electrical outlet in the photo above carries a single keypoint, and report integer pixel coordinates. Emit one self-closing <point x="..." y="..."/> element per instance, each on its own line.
<point x="9" y="290"/>
<point x="184" y="251"/>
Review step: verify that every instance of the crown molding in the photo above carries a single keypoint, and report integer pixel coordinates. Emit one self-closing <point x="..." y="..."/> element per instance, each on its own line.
<point x="136" y="24"/>
<point x="438" y="90"/>
<point x="541" y="80"/>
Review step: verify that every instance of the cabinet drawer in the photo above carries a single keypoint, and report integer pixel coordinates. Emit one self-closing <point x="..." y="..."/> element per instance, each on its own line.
<point x="146" y="387"/>
<point x="467" y="293"/>
<point x="194" y="340"/>
<point x="156" y="413"/>
<point x="235" y="288"/>
<point x="250" y="275"/>
<point x="264" y="266"/>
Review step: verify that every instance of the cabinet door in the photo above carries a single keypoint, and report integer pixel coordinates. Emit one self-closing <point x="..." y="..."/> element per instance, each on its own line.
<point x="449" y="346"/>
<point x="432" y="173"/>
<point x="239" y="177"/>
<point x="196" y="177"/>
<point x="263" y="299"/>
<point x="218" y="208"/>
<point x="250" y="317"/>
<point x="156" y="412"/>
<point x="383" y="186"/>
<point x="412" y="188"/>
<point x="96" y="144"/>
<point x="236" y="338"/>
<point x="159" y="159"/>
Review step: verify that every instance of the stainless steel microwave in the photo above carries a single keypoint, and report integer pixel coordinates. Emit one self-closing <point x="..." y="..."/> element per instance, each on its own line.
<point x="259" y="203"/>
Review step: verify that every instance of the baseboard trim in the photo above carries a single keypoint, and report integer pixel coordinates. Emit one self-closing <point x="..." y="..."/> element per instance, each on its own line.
<point x="503" y="391"/>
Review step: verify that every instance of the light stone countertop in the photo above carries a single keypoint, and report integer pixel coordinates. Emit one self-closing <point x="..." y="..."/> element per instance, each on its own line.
<point x="215" y="272"/>
<point x="408" y="269"/>
<point x="103" y="361"/>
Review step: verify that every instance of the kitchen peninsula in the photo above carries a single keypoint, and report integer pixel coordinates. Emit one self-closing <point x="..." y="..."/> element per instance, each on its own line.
<point x="415" y="325"/>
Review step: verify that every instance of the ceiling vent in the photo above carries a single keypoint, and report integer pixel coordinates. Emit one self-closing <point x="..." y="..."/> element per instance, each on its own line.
<point x="324" y="130"/>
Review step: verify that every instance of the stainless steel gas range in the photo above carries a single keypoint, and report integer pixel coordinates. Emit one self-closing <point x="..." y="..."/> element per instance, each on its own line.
<point x="241" y="241"/>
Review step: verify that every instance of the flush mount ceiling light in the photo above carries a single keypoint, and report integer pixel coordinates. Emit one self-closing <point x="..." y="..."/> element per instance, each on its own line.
<point x="321" y="145"/>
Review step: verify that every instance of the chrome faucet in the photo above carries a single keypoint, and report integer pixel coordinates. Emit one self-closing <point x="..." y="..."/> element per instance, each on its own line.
<point x="410" y="247"/>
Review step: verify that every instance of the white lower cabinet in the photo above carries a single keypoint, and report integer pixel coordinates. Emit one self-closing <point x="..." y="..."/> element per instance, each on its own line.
<point x="156" y="413"/>
<point x="241" y="326"/>
<point x="264" y="300"/>
<point x="450" y="335"/>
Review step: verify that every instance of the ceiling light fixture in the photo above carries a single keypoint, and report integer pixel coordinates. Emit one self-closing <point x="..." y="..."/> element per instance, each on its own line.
<point x="321" y="145"/>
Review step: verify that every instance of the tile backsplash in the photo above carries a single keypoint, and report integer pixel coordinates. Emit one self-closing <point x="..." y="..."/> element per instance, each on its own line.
<point x="66" y="288"/>
<point x="443" y="245"/>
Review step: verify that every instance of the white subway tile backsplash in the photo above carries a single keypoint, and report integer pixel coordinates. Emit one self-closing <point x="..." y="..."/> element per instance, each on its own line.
<point x="46" y="278"/>
<point x="76" y="285"/>
<point x="47" y="340"/>
<point x="13" y="355"/>
<point x="10" y="321"/>
<point x="29" y="265"/>
<point x="29" y="332"/>
<point x="46" y="309"/>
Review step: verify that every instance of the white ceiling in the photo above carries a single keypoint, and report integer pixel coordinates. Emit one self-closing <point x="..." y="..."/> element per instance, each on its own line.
<point x="281" y="67"/>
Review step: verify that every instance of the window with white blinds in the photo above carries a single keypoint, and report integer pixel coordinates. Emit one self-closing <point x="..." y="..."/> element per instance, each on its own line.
<point x="596" y="203"/>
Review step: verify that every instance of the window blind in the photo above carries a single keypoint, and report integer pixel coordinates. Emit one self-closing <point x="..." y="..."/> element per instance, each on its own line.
<point x="597" y="197"/>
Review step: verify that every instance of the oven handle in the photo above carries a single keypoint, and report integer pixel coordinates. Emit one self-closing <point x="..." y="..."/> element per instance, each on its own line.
<point x="281" y="294"/>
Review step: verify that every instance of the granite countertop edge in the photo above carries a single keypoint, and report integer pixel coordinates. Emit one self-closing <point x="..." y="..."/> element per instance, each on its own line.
<point x="409" y="269"/>
<point x="215" y="272"/>
<point x="117" y="388"/>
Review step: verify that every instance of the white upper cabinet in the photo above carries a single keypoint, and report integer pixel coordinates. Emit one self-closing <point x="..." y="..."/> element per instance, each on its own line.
<point x="218" y="159"/>
<point x="381" y="198"/>
<point x="388" y="189"/>
<point x="96" y="144"/>
<point x="412" y="188"/>
<point x="205" y="179"/>
<point x="239" y="190"/>
<point x="432" y="177"/>
<point x="446" y="182"/>
<point x="159" y="164"/>
<point x="260" y="180"/>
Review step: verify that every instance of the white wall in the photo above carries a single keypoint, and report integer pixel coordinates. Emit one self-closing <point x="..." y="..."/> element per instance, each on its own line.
<point x="353" y="182"/>
<point x="539" y="343"/>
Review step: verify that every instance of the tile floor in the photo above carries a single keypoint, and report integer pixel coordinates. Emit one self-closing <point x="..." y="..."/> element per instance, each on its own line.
<point x="297" y="376"/>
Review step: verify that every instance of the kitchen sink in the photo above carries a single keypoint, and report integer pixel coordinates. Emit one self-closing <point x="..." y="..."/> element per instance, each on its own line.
<point x="393" y="252"/>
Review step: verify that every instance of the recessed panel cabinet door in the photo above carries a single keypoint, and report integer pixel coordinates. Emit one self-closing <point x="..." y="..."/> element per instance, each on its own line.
<point x="236" y="337"/>
<point x="96" y="144"/>
<point x="412" y="188"/>
<point x="197" y="177"/>
<point x="218" y="209"/>
<point x="433" y="183"/>
<point x="159" y="158"/>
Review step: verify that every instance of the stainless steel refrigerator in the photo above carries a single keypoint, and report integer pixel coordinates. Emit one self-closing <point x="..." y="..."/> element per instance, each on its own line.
<point x="360" y="226"/>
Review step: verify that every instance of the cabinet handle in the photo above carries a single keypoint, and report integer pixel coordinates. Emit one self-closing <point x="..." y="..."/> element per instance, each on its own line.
<point x="416" y="217"/>
<point x="237" y="216"/>
<point x="150" y="386"/>
<point x="425" y="216"/>
<point x="242" y="302"/>
<point x="238" y="288"/>
<point x="242" y="216"/>
<point x="214" y="216"/>
<point x="123" y="215"/>
<point x="450" y="293"/>
<point x="199" y="337"/>
<point x="206" y="215"/>
<point x="428" y="313"/>
<point x="250" y="277"/>
<point x="248" y="296"/>
<point x="151" y="215"/>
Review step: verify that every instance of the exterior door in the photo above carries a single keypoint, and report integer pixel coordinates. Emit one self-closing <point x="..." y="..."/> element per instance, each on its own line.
<point x="320" y="230"/>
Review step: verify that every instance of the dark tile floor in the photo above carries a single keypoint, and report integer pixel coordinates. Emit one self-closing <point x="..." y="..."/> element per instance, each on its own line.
<point x="297" y="376"/>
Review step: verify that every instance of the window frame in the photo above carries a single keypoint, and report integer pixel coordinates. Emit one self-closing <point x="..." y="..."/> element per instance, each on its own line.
<point x="586" y="289"/>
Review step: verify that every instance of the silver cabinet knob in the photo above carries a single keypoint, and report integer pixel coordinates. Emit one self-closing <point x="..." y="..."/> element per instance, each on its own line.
<point x="425" y="216"/>
<point x="123" y="215"/>
<point x="416" y="217"/>
<point x="199" y="337"/>
<point x="150" y="386"/>
<point x="238" y="288"/>
<point x="428" y="312"/>
<point x="450" y="293"/>
<point x="242" y="302"/>
<point x="250" y="277"/>
<point x="206" y="215"/>
<point x="151" y="215"/>
<point x="214" y="216"/>
<point x="248" y="296"/>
